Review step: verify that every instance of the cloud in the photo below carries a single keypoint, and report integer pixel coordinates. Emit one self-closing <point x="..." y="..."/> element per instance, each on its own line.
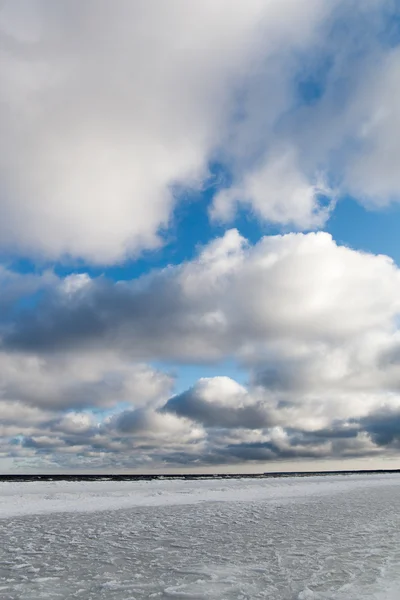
<point x="109" y="113"/>
<point x="320" y="124"/>
<point x="219" y="402"/>
<point x="217" y="422"/>
<point x="155" y="425"/>
<point x="278" y="192"/>
<point x="19" y="290"/>
<point x="106" y="110"/>
<point x="372" y="174"/>
<point x="283" y="300"/>
<point x="383" y="426"/>
<point x="314" y="323"/>
<point x="96" y="380"/>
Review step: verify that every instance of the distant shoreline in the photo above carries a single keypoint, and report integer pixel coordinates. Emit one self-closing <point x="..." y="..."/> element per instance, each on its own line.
<point x="190" y="476"/>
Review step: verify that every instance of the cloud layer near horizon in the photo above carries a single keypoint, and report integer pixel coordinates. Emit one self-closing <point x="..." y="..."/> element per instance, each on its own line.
<point x="314" y="323"/>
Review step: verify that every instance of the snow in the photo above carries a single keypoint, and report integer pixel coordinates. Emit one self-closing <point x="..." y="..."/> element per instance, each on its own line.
<point x="316" y="538"/>
<point x="21" y="498"/>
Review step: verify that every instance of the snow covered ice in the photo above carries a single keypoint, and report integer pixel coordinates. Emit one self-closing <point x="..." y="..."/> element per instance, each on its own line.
<point x="292" y="539"/>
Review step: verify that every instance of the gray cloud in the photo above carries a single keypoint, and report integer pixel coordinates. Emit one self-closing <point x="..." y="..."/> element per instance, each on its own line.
<point x="383" y="426"/>
<point x="156" y="438"/>
<point x="215" y="404"/>
<point x="299" y="291"/>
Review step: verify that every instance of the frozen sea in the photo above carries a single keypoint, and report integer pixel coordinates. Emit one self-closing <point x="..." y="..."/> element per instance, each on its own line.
<point x="292" y="539"/>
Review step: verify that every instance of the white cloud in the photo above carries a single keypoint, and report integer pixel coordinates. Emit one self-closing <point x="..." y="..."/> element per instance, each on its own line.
<point x="286" y="297"/>
<point x="292" y="157"/>
<point x="106" y="108"/>
<point x="372" y="174"/>
<point x="81" y="380"/>
<point x="278" y="192"/>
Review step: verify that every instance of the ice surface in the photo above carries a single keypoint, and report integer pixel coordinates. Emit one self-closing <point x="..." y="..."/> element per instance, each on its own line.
<point x="20" y="498"/>
<point x="321" y="538"/>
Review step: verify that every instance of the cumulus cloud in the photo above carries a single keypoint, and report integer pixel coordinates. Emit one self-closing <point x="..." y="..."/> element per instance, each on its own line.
<point x="219" y="402"/>
<point x="372" y="174"/>
<point x="328" y="129"/>
<point x="109" y="112"/>
<point x="278" y="192"/>
<point x="96" y="380"/>
<point x="260" y="424"/>
<point x="314" y="323"/>
<point x="106" y="109"/>
<point x="149" y="425"/>
<point x="288" y="296"/>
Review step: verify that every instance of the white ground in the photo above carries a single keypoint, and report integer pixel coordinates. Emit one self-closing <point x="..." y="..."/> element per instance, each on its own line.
<point x="292" y="539"/>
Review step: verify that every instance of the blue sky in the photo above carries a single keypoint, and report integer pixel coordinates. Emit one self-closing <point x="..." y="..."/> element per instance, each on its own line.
<point x="199" y="259"/>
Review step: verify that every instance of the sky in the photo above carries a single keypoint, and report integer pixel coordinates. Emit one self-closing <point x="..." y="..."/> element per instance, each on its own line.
<point x="199" y="249"/>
